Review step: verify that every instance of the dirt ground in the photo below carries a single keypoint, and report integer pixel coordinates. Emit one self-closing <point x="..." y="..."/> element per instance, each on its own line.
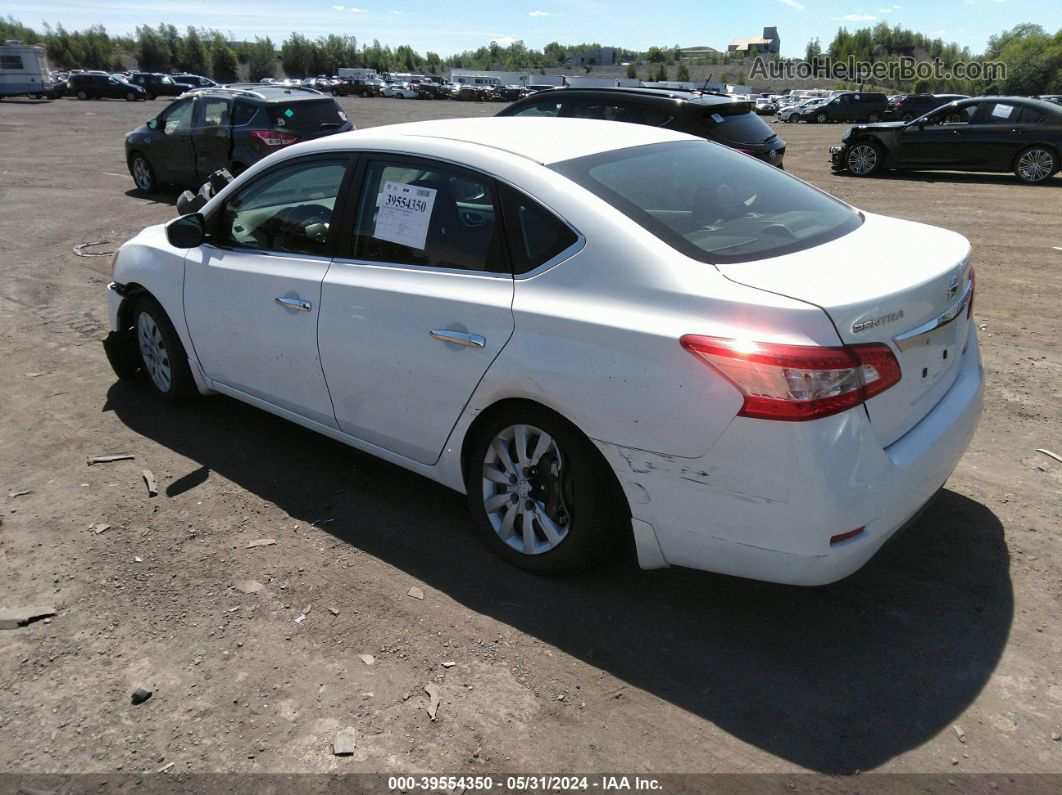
<point x="955" y="629"/>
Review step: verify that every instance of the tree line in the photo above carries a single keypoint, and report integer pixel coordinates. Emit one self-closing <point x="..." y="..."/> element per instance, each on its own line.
<point x="1033" y="57"/>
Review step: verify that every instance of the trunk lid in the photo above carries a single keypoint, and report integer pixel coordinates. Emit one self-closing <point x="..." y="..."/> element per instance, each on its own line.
<point x="911" y="297"/>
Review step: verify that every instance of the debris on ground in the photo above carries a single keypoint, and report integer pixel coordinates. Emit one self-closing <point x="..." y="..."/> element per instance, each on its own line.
<point x="248" y="586"/>
<point x="300" y="618"/>
<point x="15" y="617"/>
<point x="23" y="493"/>
<point x="449" y="664"/>
<point x="99" y="528"/>
<point x="415" y="592"/>
<point x="345" y="742"/>
<point x="433" y="696"/>
<point x="110" y="459"/>
<point x="140" y="695"/>
<point x="1056" y="736"/>
<point x="333" y="611"/>
<point x="79" y="249"/>
<point x="149" y="481"/>
<point x="261" y="542"/>
<point x="959" y="732"/>
<point x="165" y="767"/>
<point x="1050" y="454"/>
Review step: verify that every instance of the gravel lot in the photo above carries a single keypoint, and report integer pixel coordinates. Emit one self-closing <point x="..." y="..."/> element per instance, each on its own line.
<point x="953" y="629"/>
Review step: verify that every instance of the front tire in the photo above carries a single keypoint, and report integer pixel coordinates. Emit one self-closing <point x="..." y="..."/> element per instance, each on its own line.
<point x="540" y="494"/>
<point x="1035" y="165"/>
<point x="143" y="173"/>
<point x="162" y="356"/>
<point x="863" y="158"/>
<point x="82" y="94"/>
<point x="821" y="118"/>
<point x="130" y="97"/>
<point x="874" y="118"/>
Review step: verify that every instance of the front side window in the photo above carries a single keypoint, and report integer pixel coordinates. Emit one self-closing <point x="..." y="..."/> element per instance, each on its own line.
<point x="711" y="203"/>
<point x="429" y="216"/>
<point x="288" y="210"/>
<point x="630" y="112"/>
<point x="962" y="114"/>
<point x="177" y="117"/>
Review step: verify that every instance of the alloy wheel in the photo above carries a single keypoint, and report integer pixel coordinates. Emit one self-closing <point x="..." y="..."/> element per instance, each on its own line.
<point x="527" y="489"/>
<point x="1035" y="165"/>
<point x="153" y="352"/>
<point x="862" y="159"/>
<point x="141" y="173"/>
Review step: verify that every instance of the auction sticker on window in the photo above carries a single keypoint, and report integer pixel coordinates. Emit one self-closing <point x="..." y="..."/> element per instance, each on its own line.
<point x="403" y="214"/>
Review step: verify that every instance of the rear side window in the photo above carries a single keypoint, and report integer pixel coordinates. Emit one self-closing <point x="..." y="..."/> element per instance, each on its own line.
<point x="998" y="113"/>
<point x="307" y="117"/>
<point x="631" y="112"/>
<point x="429" y="216"/>
<point x="543" y="108"/>
<point x="10" y="62"/>
<point x="535" y="235"/>
<point x="242" y="113"/>
<point x="1031" y="116"/>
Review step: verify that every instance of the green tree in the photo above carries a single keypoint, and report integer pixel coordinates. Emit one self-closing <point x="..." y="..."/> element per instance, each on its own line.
<point x="152" y="52"/>
<point x="192" y="53"/>
<point x="224" y="64"/>
<point x="683" y="75"/>
<point x="813" y="50"/>
<point x="632" y="72"/>
<point x="261" y="59"/>
<point x="661" y="73"/>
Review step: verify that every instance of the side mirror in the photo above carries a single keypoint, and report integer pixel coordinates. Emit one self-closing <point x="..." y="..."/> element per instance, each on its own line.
<point x="188" y="231"/>
<point x="152" y="124"/>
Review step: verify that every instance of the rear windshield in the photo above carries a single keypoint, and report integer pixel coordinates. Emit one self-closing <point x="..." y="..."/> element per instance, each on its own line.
<point x="741" y="127"/>
<point x="711" y="203"/>
<point x="307" y="116"/>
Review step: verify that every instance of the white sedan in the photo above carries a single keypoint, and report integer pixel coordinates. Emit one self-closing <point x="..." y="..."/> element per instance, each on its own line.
<point x="594" y="330"/>
<point x="399" y="91"/>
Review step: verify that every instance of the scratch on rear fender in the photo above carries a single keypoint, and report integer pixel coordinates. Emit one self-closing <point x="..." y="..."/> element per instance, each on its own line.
<point x="750" y="487"/>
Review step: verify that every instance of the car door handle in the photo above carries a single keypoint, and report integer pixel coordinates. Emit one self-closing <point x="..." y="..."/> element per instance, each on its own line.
<point x="458" y="337"/>
<point x="293" y="303"/>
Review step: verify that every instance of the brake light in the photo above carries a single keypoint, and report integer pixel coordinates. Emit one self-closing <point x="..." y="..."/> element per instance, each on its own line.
<point x="973" y="289"/>
<point x="798" y="382"/>
<point x="274" y="138"/>
<point x="744" y="151"/>
<point x="845" y="536"/>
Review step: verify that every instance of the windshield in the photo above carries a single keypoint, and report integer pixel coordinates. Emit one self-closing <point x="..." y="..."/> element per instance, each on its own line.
<point x="711" y="203"/>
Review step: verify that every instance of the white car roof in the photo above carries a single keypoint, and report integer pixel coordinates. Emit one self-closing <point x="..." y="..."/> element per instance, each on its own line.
<point x="543" y="140"/>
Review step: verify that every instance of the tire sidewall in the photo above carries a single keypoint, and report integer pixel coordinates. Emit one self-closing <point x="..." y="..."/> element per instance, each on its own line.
<point x="877" y="162"/>
<point x="595" y="508"/>
<point x="151" y="173"/>
<point x="182" y="384"/>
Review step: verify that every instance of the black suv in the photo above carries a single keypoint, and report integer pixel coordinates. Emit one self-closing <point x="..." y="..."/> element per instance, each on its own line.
<point x="355" y="86"/>
<point x="731" y="122"/>
<point x="910" y="106"/>
<point x="849" y="106"/>
<point x="99" y="85"/>
<point x="229" y="127"/>
<point x="157" y="85"/>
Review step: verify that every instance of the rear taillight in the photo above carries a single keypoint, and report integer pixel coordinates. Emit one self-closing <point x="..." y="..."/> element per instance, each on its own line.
<point x="973" y="289"/>
<point x="744" y="151"/>
<point x="274" y="138"/>
<point x="797" y="382"/>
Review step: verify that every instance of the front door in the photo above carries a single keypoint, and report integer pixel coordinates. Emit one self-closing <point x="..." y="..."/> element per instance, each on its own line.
<point x="941" y="140"/>
<point x="414" y="316"/>
<point x="252" y="293"/>
<point x="172" y="154"/>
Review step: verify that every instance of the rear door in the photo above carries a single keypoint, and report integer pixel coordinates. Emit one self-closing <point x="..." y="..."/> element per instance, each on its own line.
<point x="998" y="132"/>
<point x="212" y="135"/>
<point x="416" y="311"/>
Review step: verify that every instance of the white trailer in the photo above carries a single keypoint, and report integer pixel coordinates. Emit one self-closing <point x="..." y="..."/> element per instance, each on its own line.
<point x="23" y="70"/>
<point x="353" y="73"/>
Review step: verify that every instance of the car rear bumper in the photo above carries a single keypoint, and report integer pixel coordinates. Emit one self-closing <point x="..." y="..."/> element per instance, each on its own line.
<point x="766" y="500"/>
<point x="837" y="155"/>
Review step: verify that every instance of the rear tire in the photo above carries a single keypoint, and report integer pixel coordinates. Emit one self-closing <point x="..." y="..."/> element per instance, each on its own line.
<point x="130" y="97"/>
<point x="540" y="493"/>
<point x="821" y="118"/>
<point x="82" y="94"/>
<point x="874" y="118"/>
<point x="162" y="356"/>
<point x="1035" y="165"/>
<point x="150" y="95"/>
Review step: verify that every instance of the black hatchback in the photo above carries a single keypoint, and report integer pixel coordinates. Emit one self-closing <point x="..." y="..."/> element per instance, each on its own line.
<point x="231" y="127"/>
<point x="719" y="118"/>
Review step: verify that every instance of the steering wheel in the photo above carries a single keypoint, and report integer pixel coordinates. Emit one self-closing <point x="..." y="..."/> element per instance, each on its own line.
<point x="300" y="228"/>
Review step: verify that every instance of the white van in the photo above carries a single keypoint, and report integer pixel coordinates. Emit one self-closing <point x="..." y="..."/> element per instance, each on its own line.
<point x="23" y="70"/>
